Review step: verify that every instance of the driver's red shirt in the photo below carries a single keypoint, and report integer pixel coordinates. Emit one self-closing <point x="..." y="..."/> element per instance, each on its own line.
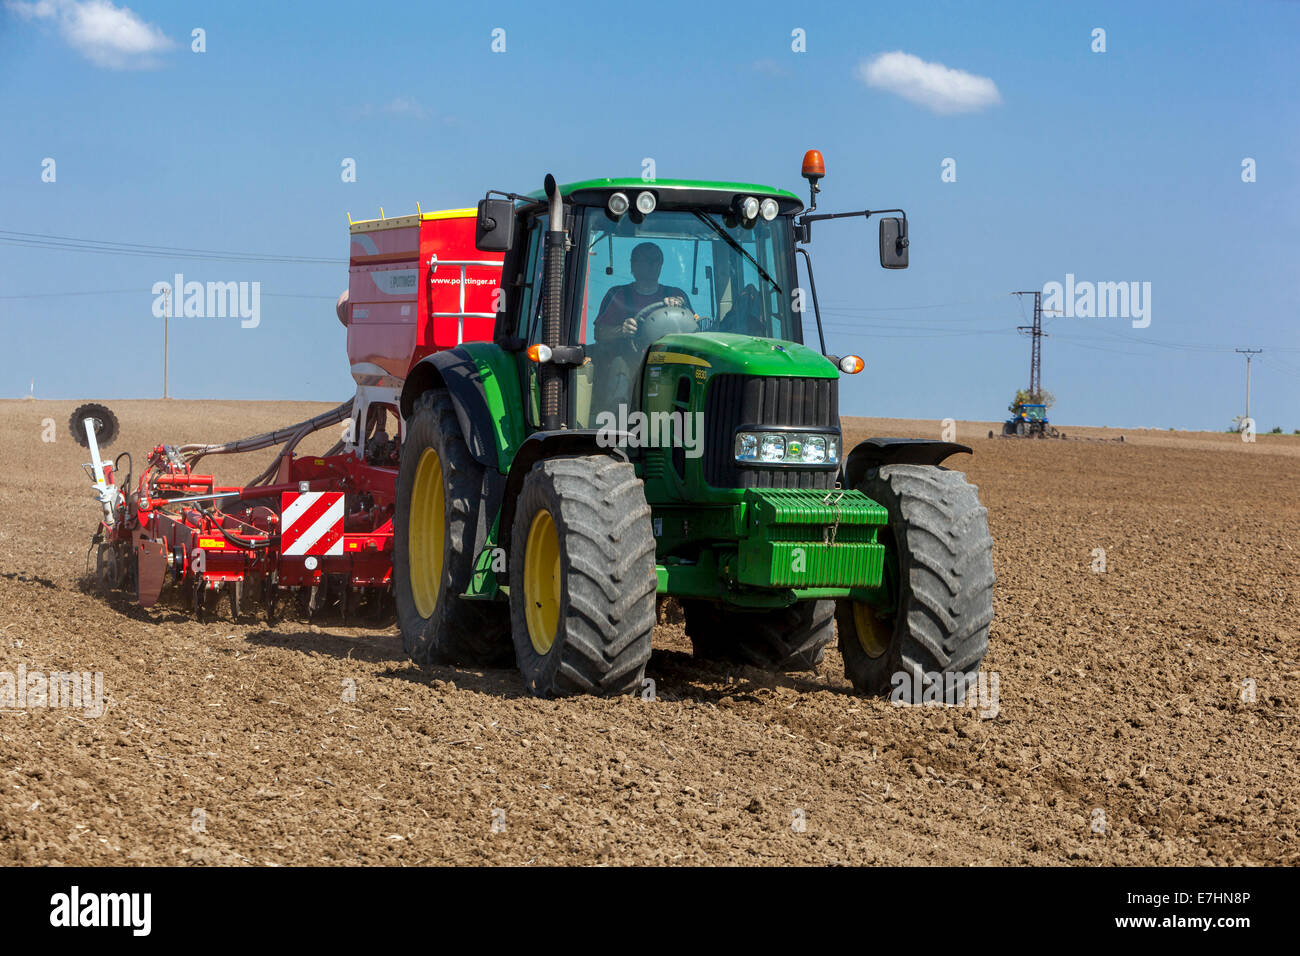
<point x="623" y="302"/>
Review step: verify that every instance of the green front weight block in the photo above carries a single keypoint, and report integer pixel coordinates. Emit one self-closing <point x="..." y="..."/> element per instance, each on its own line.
<point x="800" y="538"/>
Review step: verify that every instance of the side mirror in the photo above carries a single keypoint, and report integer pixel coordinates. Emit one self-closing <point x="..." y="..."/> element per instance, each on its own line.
<point x="495" y="229"/>
<point x="893" y="243"/>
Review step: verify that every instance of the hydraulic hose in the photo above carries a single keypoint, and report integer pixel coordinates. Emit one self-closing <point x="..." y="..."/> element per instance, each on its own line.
<point x="294" y="433"/>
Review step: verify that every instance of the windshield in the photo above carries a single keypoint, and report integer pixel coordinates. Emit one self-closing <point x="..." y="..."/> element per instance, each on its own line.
<point x="734" y="279"/>
<point x="687" y="270"/>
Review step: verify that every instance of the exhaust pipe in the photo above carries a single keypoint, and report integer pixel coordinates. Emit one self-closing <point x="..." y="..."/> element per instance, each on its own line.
<point x="553" y="307"/>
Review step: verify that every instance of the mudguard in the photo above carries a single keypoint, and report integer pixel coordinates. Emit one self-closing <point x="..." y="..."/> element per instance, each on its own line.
<point x="482" y="380"/>
<point x="878" y="452"/>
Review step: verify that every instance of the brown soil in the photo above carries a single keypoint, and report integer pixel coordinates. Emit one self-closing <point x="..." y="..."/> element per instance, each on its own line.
<point x="1120" y="692"/>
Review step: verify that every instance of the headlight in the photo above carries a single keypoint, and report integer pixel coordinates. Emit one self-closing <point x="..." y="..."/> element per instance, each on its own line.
<point x="749" y="208"/>
<point x="768" y="209"/>
<point x="814" y="450"/>
<point x="618" y="204"/>
<point x="645" y="203"/>
<point x="788" y="448"/>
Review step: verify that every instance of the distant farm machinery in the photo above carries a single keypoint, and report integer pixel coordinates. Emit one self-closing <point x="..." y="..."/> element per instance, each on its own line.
<point x="1029" y="421"/>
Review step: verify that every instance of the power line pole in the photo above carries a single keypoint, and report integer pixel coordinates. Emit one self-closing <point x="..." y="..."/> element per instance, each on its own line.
<point x="167" y="314"/>
<point x="1249" y="353"/>
<point x="1036" y="351"/>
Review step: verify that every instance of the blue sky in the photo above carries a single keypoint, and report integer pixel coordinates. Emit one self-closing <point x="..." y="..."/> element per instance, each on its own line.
<point x="1117" y="166"/>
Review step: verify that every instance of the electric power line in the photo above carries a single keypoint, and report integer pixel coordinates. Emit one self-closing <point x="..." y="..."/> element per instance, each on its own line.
<point x="58" y="295"/>
<point x="36" y="240"/>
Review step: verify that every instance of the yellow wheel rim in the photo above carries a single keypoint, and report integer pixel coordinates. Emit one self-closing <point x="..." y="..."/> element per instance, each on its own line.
<point x="542" y="582"/>
<point x="425" y="532"/>
<point x="874" y="632"/>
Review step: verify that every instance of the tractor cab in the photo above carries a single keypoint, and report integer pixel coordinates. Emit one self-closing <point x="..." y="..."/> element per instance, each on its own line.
<point x="680" y="267"/>
<point x="645" y="261"/>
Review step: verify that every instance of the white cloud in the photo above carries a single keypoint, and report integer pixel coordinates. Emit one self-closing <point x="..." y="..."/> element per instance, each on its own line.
<point x="407" y="106"/>
<point x="107" y="35"/>
<point x="932" y="85"/>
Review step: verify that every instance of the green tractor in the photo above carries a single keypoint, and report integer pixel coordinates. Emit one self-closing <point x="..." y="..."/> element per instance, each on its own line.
<point x="650" y="422"/>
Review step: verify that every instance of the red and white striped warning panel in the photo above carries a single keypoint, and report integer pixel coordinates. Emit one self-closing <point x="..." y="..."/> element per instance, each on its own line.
<point x="311" y="522"/>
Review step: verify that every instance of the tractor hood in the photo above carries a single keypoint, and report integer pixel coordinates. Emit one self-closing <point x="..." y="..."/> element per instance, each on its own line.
<point x="725" y="352"/>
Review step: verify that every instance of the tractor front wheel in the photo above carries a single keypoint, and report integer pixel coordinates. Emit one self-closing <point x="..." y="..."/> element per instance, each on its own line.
<point x="582" y="578"/>
<point x="793" y="638"/>
<point x="939" y="575"/>
<point x="435" y="528"/>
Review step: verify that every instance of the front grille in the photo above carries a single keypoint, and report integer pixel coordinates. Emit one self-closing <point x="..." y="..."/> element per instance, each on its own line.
<point x="736" y="400"/>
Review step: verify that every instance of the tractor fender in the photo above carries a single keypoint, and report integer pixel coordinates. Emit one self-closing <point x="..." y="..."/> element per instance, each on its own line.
<point x="564" y="443"/>
<point x="878" y="452"/>
<point x="474" y="395"/>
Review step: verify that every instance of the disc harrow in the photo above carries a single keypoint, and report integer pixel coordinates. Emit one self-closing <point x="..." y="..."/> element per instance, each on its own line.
<point x="174" y="533"/>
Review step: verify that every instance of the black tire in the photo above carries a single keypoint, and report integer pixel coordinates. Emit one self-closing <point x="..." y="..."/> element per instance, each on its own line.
<point x="1008" y="428"/>
<point x="793" y="638"/>
<point x="449" y="629"/>
<point x="105" y="424"/>
<point x="602" y="578"/>
<point x="1022" y="429"/>
<point x="941" y="572"/>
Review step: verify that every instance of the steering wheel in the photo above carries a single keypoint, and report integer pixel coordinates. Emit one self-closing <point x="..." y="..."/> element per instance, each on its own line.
<point x="659" y="319"/>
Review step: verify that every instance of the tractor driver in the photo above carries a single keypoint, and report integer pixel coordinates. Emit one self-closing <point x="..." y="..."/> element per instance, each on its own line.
<point x="618" y="310"/>
<point x="618" y="368"/>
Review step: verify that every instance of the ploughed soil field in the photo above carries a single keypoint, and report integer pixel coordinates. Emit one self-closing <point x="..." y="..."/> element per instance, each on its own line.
<point x="1147" y="713"/>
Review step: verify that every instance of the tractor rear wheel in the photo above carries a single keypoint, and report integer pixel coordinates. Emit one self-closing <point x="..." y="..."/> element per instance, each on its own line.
<point x="939" y="574"/>
<point x="792" y="638"/>
<point x="435" y="544"/>
<point x="582" y="578"/>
